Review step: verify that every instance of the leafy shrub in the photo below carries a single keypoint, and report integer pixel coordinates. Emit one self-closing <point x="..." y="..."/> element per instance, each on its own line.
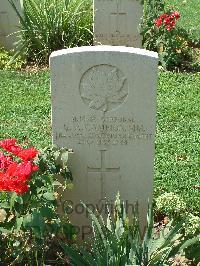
<point x="50" y="25"/>
<point x="162" y="34"/>
<point x="30" y="227"/>
<point x="119" y="242"/>
<point x="7" y="63"/>
<point x="170" y="204"/>
<point x="192" y="224"/>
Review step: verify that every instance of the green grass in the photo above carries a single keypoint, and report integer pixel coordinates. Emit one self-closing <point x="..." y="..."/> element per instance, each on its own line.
<point x="25" y="106"/>
<point x="177" y="141"/>
<point x="190" y="15"/>
<point x="25" y="111"/>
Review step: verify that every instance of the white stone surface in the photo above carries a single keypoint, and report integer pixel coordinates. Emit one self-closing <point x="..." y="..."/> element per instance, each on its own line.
<point x="104" y="108"/>
<point x="116" y="22"/>
<point x="9" y="23"/>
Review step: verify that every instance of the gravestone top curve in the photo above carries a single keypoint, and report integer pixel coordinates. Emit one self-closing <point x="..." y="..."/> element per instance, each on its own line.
<point x="104" y="48"/>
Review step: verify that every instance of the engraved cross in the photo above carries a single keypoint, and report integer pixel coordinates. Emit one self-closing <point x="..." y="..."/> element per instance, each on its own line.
<point x="118" y="15"/>
<point x="103" y="170"/>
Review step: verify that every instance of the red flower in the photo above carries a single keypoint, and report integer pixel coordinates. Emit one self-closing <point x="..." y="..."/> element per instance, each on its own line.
<point x="5" y="161"/>
<point x="14" y="176"/>
<point x="21" y="189"/>
<point x="7" y="143"/>
<point x="35" y="168"/>
<point x="11" y="184"/>
<point x="158" y="22"/>
<point x="10" y="145"/>
<point x="28" y="154"/>
<point x="176" y="14"/>
<point x="22" y="170"/>
<point x="163" y="16"/>
<point x="12" y="169"/>
<point x="15" y="149"/>
<point x="168" y="20"/>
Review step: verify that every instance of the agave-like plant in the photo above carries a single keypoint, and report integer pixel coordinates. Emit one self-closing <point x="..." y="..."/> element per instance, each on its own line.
<point x="50" y="25"/>
<point x="118" y="242"/>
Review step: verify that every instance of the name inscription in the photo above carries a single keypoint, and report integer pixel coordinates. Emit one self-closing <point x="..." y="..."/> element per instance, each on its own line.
<point x="88" y="130"/>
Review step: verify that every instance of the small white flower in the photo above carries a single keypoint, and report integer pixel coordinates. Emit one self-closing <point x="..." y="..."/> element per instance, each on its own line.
<point x="2" y="215"/>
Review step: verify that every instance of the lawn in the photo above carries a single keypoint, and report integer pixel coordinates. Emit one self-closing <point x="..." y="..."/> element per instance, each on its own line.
<point x="190" y="15"/>
<point x="25" y="112"/>
<point x="177" y="161"/>
<point x="25" y="106"/>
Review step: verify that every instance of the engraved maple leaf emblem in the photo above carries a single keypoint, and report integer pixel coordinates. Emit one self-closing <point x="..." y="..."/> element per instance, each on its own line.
<point x="103" y="87"/>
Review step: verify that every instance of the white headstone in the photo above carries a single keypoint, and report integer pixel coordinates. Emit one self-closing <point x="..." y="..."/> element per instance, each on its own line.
<point x="117" y="22"/>
<point x="104" y="108"/>
<point x="9" y="23"/>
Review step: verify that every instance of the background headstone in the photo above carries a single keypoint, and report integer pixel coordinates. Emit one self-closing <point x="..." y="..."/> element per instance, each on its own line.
<point x="117" y="22"/>
<point x="104" y="108"/>
<point x="9" y="23"/>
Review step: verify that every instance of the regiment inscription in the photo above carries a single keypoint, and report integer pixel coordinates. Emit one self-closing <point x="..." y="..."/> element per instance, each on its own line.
<point x="103" y="131"/>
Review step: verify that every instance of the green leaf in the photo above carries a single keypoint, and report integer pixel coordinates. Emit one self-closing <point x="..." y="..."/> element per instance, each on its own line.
<point x="64" y="156"/>
<point x="56" y="155"/>
<point x="97" y="226"/>
<point x="49" y="196"/>
<point x="12" y="200"/>
<point x="56" y="183"/>
<point x="34" y="220"/>
<point x="16" y="244"/>
<point x="19" y="222"/>
<point x="27" y="220"/>
<point x="74" y="254"/>
<point x="189" y="242"/>
<point x="3" y="230"/>
<point x="19" y="200"/>
<point x="47" y="212"/>
<point x="4" y="205"/>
